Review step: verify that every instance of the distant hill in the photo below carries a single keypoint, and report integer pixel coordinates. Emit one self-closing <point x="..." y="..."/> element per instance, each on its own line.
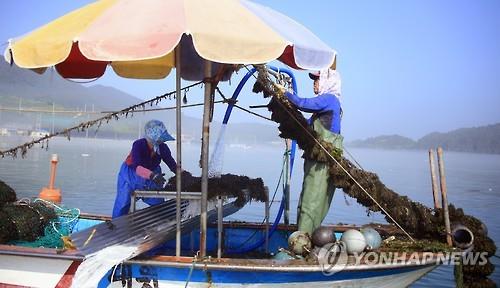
<point x="27" y="89"/>
<point x="485" y="139"/>
<point x="43" y="90"/>
<point x="385" y="142"/>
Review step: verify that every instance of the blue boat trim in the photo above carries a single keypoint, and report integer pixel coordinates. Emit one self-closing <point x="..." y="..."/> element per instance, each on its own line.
<point x="202" y="273"/>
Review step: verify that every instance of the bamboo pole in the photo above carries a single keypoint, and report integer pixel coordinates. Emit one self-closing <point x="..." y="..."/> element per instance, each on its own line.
<point x="204" y="160"/>
<point x="444" y="197"/>
<point x="178" y="132"/>
<point x="434" y="180"/>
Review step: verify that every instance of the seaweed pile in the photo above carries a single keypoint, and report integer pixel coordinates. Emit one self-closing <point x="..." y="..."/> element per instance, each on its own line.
<point x="420" y="221"/>
<point x="20" y="221"/>
<point x="7" y="194"/>
<point x="227" y="185"/>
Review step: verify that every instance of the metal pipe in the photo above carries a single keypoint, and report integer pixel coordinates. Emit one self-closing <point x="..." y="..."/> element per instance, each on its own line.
<point x="219" y="227"/>
<point x="286" y="197"/>
<point x="244" y="81"/>
<point x="444" y="197"/>
<point x="168" y="194"/>
<point x="178" y="130"/>
<point x="133" y="202"/>
<point x="267" y="221"/>
<point x="434" y="180"/>
<point x="204" y="160"/>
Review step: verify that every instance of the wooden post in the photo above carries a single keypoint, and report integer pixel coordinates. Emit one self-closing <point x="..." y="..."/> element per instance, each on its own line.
<point x="444" y="198"/>
<point x="204" y="160"/>
<point x="434" y="180"/>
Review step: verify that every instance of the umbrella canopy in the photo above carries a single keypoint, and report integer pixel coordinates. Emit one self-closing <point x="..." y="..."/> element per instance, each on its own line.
<point x="138" y="39"/>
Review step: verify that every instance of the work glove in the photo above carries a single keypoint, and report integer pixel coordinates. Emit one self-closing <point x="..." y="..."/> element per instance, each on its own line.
<point x="158" y="179"/>
<point x="279" y="88"/>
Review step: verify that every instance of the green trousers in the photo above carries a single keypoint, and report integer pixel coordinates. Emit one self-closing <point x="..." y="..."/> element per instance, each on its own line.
<point x="317" y="194"/>
<point x="317" y="188"/>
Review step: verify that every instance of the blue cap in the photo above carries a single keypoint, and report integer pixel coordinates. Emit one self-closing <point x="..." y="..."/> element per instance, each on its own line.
<point x="165" y="136"/>
<point x="156" y="132"/>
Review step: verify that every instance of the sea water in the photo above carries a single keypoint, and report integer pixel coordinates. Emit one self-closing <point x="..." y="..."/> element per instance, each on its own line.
<point x="87" y="171"/>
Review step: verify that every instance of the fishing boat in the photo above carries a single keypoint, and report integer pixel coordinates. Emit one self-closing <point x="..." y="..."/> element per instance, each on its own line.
<point x="45" y="267"/>
<point x="238" y="254"/>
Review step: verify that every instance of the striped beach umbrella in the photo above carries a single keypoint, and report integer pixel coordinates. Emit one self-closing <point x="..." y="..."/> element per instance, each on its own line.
<point x="145" y="39"/>
<point x="137" y="38"/>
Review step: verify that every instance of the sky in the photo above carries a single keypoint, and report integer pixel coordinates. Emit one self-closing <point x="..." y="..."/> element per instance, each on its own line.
<point x="408" y="67"/>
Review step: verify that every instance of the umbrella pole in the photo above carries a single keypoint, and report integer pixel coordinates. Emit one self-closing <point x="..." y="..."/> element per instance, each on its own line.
<point x="204" y="160"/>
<point x="179" y="147"/>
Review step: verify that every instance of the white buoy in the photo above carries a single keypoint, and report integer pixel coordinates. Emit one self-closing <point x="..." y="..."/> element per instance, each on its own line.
<point x="354" y="240"/>
<point x="372" y="237"/>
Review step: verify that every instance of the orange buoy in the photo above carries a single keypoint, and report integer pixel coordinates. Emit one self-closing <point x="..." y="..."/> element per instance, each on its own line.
<point x="50" y="193"/>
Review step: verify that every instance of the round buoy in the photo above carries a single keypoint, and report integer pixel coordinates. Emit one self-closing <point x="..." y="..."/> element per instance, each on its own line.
<point x="372" y="238"/>
<point x="323" y="235"/>
<point x="299" y="242"/>
<point x="354" y="240"/>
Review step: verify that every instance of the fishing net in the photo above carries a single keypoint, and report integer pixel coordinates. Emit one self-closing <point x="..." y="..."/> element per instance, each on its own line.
<point x="37" y="224"/>
<point x="27" y="221"/>
<point x="7" y="194"/>
<point x="419" y="220"/>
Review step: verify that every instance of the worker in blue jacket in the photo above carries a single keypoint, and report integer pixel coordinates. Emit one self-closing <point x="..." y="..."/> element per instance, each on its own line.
<point x="141" y="169"/>
<point x="317" y="188"/>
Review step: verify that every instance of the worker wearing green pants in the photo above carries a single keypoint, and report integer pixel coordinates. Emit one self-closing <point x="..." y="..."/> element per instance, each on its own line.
<point x="317" y="188"/>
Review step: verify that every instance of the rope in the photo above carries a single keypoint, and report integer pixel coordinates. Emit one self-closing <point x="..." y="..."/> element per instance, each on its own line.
<point x="253" y="113"/>
<point x="96" y="112"/>
<point x="354" y="159"/>
<point x="233" y="102"/>
<point x="190" y="272"/>
<point x="168" y="108"/>
<point x="23" y="148"/>
<point x="195" y="258"/>
<point x="338" y="163"/>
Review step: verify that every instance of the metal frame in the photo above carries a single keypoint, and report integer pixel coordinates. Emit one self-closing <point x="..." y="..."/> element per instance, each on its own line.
<point x="165" y="195"/>
<point x="178" y="132"/>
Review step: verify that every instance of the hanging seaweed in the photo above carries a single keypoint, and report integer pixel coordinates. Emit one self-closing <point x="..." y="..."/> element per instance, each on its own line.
<point x="227" y="185"/>
<point x="419" y="220"/>
<point x="44" y="141"/>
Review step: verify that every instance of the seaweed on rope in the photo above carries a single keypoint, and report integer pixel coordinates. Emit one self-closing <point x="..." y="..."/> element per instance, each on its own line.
<point x="82" y="127"/>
